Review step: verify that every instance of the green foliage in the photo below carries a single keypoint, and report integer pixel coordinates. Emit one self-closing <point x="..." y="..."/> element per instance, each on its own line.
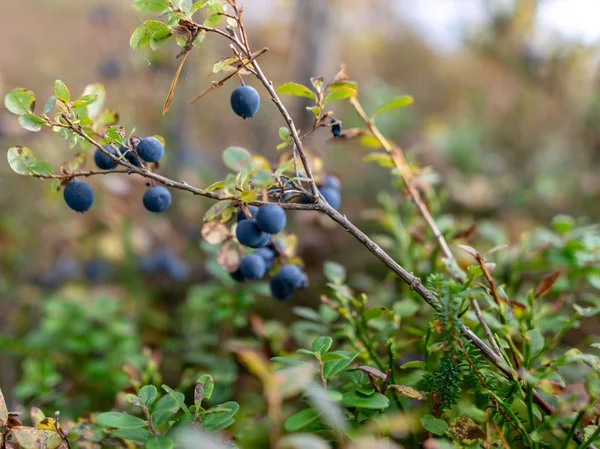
<point x="368" y="359"/>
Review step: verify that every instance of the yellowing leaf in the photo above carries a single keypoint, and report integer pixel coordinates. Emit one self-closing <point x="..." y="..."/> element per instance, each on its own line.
<point x="409" y="392"/>
<point x="214" y="232"/>
<point x="3" y="409"/>
<point x="36" y="415"/>
<point x="399" y="102"/>
<point x="32" y="438"/>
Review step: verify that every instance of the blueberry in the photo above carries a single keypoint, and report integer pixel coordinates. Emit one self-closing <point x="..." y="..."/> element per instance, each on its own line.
<point x="131" y="157"/>
<point x="79" y="195"/>
<point x="241" y="215"/>
<point x="264" y="241"/>
<point x="267" y="254"/>
<point x="110" y="68"/>
<point x="271" y="218"/>
<point x="332" y="181"/>
<point x="336" y="128"/>
<point x="96" y="270"/>
<point x="103" y="161"/>
<point x="150" y="149"/>
<point x="332" y="196"/>
<point x="287" y="279"/>
<point x="237" y="276"/>
<point x="157" y="199"/>
<point x="249" y="234"/>
<point x="253" y="267"/>
<point x="164" y="262"/>
<point x="245" y="101"/>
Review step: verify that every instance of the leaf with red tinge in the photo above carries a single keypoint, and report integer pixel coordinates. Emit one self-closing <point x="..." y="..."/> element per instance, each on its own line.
<point x="228" y="257"/>
<point x="469" y="249"/>
<point x="546" y="284"/>
<point x="214" y="232"/>
<point x="373" y="371"/>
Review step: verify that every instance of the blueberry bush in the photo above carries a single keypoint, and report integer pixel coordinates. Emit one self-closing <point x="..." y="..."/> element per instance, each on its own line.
<point x="462" y="344"/>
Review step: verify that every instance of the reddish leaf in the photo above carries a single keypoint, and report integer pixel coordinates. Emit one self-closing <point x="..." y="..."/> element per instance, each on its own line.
<point x="373" y="371"/>
<point x="546" y="284"/>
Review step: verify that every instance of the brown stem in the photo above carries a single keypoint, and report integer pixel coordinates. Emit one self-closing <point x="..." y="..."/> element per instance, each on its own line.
<point x="149" y="422"/>
<point x="397" y="156"/>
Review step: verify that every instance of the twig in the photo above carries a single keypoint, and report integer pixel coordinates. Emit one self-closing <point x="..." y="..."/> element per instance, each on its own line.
<point x="397" y="156"/>
<point x="149" y="421"/>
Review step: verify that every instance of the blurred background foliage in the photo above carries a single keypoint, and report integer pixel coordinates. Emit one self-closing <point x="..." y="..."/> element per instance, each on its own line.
<point x="507" y="121"/>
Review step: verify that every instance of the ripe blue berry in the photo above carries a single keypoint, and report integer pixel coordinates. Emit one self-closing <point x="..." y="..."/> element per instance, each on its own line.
<point x="150" y="149"/>
<point x="245" y="101"/>
<point x="249" y="234"/>
<point x="253" y="267"/>
<point x="287" y="279"/>
<point x="164" y="262"/>
<point x="157" y="199"/>
<point x="241" y="215"/>
<point x="336" y="128"/>
<point x="271" y="218"/>
<point x="332" y="181"/>
<point x="267" y="254"/>
<point x="332" y="196"/>
<point x="103" y="161"/>
<point x="79" y="195"/>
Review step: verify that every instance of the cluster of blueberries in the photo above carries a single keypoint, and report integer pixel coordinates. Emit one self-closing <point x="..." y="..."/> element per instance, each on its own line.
<point x="79" y="195"/>
<point x="255" y="232"/>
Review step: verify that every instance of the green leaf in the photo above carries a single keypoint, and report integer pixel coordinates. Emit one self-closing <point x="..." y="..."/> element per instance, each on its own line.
<point x="563" y="223"/>
<point x="151" y="5"/>
<point x="287" y="361"/>
<point x="214" y="422"/>
<point x="143" y="34"/>
<point x="160" y="38"/>
<point x="343" y="84"/>
<point x="212" y="20"/>
<point x="216" y="210"/>
<point x="160" y="442"/>
<point x="31" y="122"/>
<point x="339" y="94"/>
<point x="61" y="91"/>
<point x="85" y="100"/>
<point x="383" y="159"/>
<point x="21" y="160"/>
<point x="115" y="134"/>
<point x="215" y="186"/>
<point x="165" y="409"/>
<point x="204" y="388"/>
<point x="536" y="342"/>
<point x="133" y="434"/>
<point x="49" y="105"/>
<point x="301" y="419"/>
<point x="336" y="366"/>
<point x="334" y="272"/>
<point x="322" y="344"/>
<point x="376" y="401"/>
<point x="414" y="364"/>
<point x="262" y="178"/>
<point x="95" y="108"/>
<point x="284" y="133"/>
<point x="186" y="6"/>
<point x="119" y="420"/>
<point x="434" y="425"/>
<point x="399" y="102"/>
<point x="296" y="89"/>
<point x="220" y="65"/>
<point x="148" y="395"/>
<point x="20" y="101"/>
<point x="237" y="158"/>
<point x="179" y="399"/>
<point x="370" y="141"/>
